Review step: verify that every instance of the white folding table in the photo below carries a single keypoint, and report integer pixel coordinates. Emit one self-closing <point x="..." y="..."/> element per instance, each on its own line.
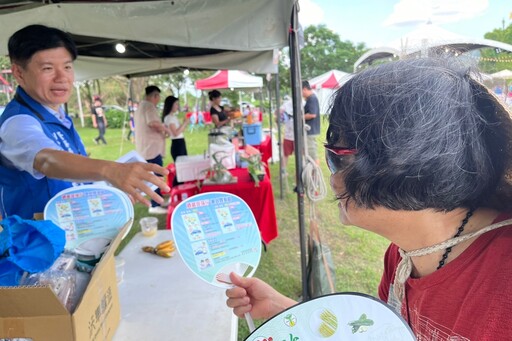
<point x="161" y="299"/>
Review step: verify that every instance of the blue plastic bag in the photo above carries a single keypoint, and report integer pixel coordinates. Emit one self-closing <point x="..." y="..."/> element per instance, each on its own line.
<point x="28" y="245"/>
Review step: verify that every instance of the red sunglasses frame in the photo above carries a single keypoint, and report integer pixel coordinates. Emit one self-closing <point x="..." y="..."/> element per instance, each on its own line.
<point x="338" y="151"/>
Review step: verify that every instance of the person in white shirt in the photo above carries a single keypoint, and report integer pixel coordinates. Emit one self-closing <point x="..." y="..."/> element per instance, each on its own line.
<point x="175" y="129"/>
<point x="286" y="117"/>
<point x="150" y="135"/>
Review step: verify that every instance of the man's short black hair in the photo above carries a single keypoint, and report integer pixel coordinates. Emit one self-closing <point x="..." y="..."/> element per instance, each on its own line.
<point x="24" y="43"/>
<point x="152" y="88"/>
<point x="305" y="85"/>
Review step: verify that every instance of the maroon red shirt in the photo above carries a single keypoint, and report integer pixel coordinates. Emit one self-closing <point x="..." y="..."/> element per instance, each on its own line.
<point x="470" y="298"/>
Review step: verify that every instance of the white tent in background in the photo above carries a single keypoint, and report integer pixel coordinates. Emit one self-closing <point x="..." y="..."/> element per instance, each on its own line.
<point x="503" y="74"/>
<point x="325" y="85"/>
<point x="425" y="40"/>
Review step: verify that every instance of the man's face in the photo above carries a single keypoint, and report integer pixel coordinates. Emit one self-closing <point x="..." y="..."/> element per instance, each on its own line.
<point x="48" y="76"/>
<point x="154" y="98"/>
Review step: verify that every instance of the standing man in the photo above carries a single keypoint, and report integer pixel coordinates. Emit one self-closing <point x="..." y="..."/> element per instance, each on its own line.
<point x="99" y="120"/>
<point x="40" y="150"/>
<point x="312" y="118"/>
<point x="150" y="135"/>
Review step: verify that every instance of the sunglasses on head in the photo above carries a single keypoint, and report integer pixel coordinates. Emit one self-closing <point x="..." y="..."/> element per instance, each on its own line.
<point x="334" y="157"/>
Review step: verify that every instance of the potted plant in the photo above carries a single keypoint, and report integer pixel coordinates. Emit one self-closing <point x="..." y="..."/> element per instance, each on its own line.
<point x="218" y="173"/>
<point x="255" y="167"/>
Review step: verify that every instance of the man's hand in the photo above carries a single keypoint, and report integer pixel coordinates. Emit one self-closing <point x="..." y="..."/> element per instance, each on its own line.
<point x="131" y="178"/>
<point x="128" y="177"/>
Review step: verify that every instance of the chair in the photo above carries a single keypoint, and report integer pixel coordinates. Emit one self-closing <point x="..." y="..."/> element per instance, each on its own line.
<point x="170" y="177"/>
<point x="177" y="195"/>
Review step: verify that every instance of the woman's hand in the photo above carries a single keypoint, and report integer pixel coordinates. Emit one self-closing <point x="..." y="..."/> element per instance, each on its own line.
<point x="252" y="295"/>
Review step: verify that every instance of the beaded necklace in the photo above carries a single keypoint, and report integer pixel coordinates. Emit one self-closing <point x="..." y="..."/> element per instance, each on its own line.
<point x="459" y="231"/>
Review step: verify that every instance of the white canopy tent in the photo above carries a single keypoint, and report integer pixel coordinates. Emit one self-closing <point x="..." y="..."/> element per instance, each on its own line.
<point x="503" y="74"/>
<point x="195" y="41"/>
<point x="426" y="39"/>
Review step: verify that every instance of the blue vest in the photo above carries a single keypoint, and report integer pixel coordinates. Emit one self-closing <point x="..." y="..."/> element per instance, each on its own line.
<point x="20" y="192"/>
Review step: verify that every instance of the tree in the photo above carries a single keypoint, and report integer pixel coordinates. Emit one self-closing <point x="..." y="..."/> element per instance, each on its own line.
<point x="324" y="50"/>
<point x="493" y="60"/>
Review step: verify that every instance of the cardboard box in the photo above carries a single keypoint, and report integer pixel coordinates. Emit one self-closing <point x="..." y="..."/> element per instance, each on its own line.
<point x="36" y="313"/>
<point x="191" y="167"/>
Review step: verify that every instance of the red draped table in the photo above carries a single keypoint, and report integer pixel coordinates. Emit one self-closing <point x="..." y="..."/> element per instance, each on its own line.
<point x="260" y="200"/>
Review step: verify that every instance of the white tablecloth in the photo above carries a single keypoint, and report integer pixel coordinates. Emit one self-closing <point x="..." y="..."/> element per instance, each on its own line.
<point x="161" y="299"/>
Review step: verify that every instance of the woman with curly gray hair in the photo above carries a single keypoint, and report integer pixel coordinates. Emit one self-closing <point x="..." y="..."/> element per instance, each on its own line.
<point x="419" y="153"/>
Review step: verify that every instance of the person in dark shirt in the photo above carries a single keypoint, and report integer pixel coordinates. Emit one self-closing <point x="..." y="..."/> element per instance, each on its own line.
<point x="219" y="116"/>
<point x="99" y="120"/>
<point x="312" y="117"/>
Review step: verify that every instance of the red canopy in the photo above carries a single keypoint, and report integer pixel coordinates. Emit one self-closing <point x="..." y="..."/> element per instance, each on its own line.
<point x="330" y="80"/>
<point x="225" y="79"/>
<point x="5" y="85"/>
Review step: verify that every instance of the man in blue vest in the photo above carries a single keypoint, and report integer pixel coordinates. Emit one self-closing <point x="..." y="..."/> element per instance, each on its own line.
<point x="40" y="150"/>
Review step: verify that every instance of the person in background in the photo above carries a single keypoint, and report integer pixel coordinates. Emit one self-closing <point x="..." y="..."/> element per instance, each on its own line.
<point x="41" y="153"/>
<point x="286" y="116"/>
<point x="131" y="133"/>
<point x="131" y="122"/>
<point x="175" y="128"/>
<point x="419" y="153"/>
<point x="150" y="135"/>
<point x="99" y="120"/>
<point x="219" y="116"/>
<point x="246" y="110"/>
<point x="312" y="118"/>
<point x="130" y="105"/>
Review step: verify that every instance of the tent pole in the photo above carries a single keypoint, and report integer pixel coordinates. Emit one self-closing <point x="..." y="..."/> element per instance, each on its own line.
<point x="80" y="109"/>
<point x="269" y="89"/>
<point x="261" y="102"/>
<point x="298" y="130"/>
<point x="279" y="141"/>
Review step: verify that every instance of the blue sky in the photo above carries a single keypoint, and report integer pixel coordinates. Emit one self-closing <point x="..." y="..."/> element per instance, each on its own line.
<point x="379" y="22"/>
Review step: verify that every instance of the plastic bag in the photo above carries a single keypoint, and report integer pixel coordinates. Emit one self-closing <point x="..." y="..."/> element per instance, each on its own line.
<point x="321" y="275"/>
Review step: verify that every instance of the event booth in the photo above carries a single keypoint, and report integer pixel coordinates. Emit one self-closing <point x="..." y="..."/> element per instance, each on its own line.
<point x="245" y="42"/>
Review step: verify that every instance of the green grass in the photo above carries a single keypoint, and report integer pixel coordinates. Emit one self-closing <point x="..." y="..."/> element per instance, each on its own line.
<point x="357" y="254"/>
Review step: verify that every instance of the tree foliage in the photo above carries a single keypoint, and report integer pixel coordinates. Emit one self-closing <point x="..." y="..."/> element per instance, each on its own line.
<point x="491" y="58"/>
<point x="324" y="50"/>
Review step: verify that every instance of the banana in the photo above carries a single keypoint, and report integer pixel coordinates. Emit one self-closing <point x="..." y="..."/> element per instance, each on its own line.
<point x="164" y="245"/>
<point x="164" y="249"/>
<point x="149" y="249"/>
<point x="167" y="253"/>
